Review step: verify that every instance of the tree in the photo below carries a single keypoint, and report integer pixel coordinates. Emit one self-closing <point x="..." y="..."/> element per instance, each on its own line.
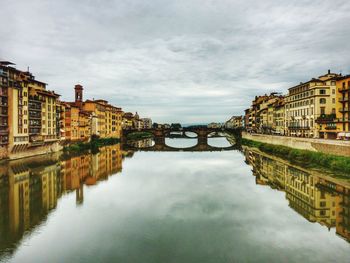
<point x="175" y="126"/>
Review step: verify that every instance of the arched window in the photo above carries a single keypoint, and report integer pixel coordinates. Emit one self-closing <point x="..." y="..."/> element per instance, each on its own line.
<point x="322" y="101"/>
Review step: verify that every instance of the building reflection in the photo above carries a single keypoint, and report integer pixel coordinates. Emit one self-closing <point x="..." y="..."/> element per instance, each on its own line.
<point x="31" y="188"/>
<point x="143" y="143"/>
<point x="317" y="197"/>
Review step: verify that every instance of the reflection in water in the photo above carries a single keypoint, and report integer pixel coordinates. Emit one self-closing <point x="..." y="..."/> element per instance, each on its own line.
<point x="30" y="188"/>
<point x="143" y="143"/>
<point x="316" y="197"/>
<point x="219" y="142"/>
<point x="197" y="206"/>
<point x="181" y="143"/>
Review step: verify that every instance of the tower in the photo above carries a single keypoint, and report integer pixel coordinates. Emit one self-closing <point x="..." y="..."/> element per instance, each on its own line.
<point x="78" y="94"/>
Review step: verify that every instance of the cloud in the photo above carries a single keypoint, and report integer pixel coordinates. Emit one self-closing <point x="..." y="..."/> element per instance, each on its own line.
<point x="176" y="61"/>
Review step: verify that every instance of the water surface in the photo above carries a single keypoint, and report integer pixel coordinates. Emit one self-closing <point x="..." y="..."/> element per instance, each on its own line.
<point x="124" y="206"/>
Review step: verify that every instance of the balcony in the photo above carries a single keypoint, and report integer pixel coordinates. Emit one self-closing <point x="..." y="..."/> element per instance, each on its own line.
<point x="343" y="120"/>
<point x="299" y="127"/>
<point x="344" y="89"/>
<point x="4" y="142"/>
<point x="345" y="109"/>
<point x="326" y="118"/>
<point x="4" y="131"/>
<point x="345" y="99"/>
<point x="3" y="73"/>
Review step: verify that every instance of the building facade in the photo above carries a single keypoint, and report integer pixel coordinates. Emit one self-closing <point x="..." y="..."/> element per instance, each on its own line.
<point x="310" y="105"/>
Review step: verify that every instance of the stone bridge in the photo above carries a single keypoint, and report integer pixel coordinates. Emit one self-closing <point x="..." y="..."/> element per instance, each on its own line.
<point x="202" y="133"/>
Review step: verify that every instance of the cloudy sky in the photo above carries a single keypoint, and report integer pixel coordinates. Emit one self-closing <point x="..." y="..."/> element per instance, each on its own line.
<point x="176" y="61"/>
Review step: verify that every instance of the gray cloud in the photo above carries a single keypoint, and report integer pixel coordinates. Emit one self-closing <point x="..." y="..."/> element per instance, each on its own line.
<point x="189" y="61"/>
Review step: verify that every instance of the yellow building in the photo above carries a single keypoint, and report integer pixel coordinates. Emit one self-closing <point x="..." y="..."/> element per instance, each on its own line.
<point x="343" y="106"/>
<point x="128" y="121"/>
<point x="91" y="117"/>
<point x="29" y="109"/>
<point x="308" y="104"/>
<point x="278" y="125"/>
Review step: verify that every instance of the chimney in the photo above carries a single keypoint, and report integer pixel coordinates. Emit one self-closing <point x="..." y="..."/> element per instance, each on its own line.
<point x="329" y="71"/>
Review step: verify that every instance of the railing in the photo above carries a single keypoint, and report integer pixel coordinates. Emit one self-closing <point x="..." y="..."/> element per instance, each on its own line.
<point x="299" y="127"/>
<point x="343" y="120"/>
<point x="344" y="99"/>
<point x="325" y="118"/>
<point x="3" y="73"/>
<point x="345" y="109"/>
<point x="344" y="89"/>
<point x="4" y="131"/>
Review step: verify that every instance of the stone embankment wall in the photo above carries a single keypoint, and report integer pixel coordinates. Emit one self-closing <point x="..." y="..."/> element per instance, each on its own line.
<point x="33" y="151"/>
<point x="336" y="147"/>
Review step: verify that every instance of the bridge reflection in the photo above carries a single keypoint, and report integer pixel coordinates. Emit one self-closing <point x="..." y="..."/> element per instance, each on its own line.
<point x="203" y="133"/>
<point x="160" y="145"/>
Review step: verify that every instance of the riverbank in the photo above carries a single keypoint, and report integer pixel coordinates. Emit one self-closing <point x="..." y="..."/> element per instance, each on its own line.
<point x="333" y="147"/>
<point x="93" y="145"/>
<point x="139" y="135"/>
<point x="306" y="158"/>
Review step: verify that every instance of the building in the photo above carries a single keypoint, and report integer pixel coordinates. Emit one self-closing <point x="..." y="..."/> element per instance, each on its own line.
<point x="91" y="117"/>
<point x="343" y="106"/>
<point x="260" y="116"/>
<point x="310" y="105"/>
<point x="248" y="119"/>
<point x="147" y="123"/>
<point x="214" y="125"/>
<point x="30" y="110"/>
<point x="128" y="121"/>
<point x="235" y="122"/>
<point x="278" y="122"/>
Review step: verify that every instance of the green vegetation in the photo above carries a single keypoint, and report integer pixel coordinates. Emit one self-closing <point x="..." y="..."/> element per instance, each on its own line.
<point x="303" y="157"/>
<point x="93" y="145"/>
<point x="139" y="135"/>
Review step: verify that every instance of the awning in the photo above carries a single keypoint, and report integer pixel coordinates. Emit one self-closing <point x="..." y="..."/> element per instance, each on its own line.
<point x="341" y="134"/>
<point x="347" y="135"/>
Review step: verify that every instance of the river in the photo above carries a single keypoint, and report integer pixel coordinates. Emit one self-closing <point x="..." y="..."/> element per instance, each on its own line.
<point x="122" y="205"/>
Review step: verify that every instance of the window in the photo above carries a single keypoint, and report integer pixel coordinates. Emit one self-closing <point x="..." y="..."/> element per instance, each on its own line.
<point x="333" y="111"/>
<point x="333" y="100"/>
<point x="322" y="91"/>
<point x="322" y="101"/>
<point x="333" y="91"/>
<point x="322" y="110"/>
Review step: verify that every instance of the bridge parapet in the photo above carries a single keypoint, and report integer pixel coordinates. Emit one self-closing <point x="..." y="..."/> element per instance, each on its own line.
<point x="200" y="131"/>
